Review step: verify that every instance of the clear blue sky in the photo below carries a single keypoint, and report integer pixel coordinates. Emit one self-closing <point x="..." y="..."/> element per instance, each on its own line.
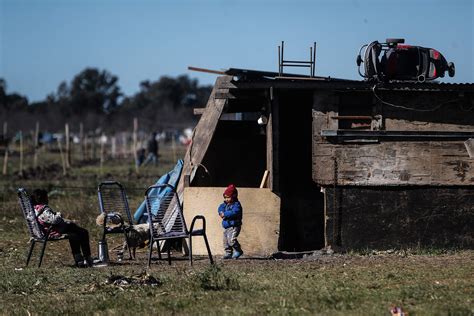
<point x="43" y="42"/>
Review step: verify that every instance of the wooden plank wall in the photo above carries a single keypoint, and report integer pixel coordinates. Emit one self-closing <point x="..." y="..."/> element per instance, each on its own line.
<point x="391" y="162"/>
<point x="399" y="217"/>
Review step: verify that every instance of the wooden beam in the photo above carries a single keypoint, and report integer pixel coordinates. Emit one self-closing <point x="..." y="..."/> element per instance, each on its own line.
<point x="198" y="111"/>
<point x="399" y="135"/>
<point x="220" y="95"/>
<point x="210" y="71"/>
<point x="273" y="144"/>
<point x="203" y="134"/>
<point x="352" y="117"/>
<point x="264" y="179"/>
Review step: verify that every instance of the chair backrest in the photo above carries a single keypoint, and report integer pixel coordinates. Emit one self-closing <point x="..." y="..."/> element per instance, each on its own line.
<point x="113" y="199"/>
<point x="165" y="213"/>
<point x="29" y="215"/>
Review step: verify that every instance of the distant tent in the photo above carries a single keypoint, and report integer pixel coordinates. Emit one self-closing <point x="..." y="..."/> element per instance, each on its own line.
<point x="171" y="178"/>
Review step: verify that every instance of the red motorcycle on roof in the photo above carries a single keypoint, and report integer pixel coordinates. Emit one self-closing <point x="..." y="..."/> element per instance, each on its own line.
<point x="400" y="62"/>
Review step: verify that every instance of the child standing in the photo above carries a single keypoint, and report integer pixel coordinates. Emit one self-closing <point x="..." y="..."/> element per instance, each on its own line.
<point x="231" y="213"/>
<point x="78" y="236"/>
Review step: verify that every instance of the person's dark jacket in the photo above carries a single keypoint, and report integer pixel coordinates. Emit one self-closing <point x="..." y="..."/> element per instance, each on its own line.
<point x="152" y="146"/>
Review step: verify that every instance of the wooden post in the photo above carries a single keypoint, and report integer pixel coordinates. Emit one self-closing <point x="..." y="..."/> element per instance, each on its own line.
<point x="263" y="184"/>
<point x="274" y="161"/>
<point x="81" y="140"/>
<point x="63" y="160"/>
<point x="102" y="146"/>
<point x="187" y="180"/>
<point x="135" y="131"/>
<point x="124" y="145"/>
<point x="21" y="153"/>
<point x="93" y="146"/>
<point x="68" y="146"/>
<point x="269" y="136"/>
<point x="5" y="158"/>
<point x="173" y="148"/>
<point x="84" y="143"/>
<point x="35" y="158"/>
<point x="113" y="148"/>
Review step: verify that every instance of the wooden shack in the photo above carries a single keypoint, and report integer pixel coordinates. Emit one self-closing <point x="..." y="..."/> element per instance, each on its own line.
<point x="354" y="164"/>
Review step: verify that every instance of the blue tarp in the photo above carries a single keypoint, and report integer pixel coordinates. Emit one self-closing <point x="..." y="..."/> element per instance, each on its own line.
<point x="171" y="178"/>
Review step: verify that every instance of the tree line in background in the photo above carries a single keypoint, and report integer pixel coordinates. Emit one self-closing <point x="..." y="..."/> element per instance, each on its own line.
<point x="94" y="99"/>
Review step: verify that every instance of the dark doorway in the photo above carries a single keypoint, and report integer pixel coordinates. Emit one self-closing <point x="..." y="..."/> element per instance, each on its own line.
<point x="302" y="203"/>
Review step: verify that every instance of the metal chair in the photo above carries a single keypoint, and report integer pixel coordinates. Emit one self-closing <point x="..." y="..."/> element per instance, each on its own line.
<point x="113" y="201"/>
<point x="166" y="220"/>
<point x="36" y="232"/>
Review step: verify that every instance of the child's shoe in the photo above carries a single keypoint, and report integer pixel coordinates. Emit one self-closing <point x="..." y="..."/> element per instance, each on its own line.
<point x="227" y="256"/>
<point x="237" y="254"/>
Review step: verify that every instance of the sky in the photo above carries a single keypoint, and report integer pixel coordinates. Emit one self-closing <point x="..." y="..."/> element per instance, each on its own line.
<point x="45" y="42"/>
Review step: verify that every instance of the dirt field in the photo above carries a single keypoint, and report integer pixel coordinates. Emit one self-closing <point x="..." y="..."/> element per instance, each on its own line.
<point x="421" y="281"/>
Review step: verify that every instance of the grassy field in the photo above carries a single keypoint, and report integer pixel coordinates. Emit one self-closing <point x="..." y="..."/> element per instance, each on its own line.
<point x="423" y="282"/>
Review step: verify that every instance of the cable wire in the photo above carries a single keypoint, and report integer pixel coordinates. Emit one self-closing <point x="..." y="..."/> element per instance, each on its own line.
<point x="409" y="108"/>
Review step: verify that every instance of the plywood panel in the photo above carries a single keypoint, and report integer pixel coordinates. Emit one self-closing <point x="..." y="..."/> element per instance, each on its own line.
<point x="261" y="219"/>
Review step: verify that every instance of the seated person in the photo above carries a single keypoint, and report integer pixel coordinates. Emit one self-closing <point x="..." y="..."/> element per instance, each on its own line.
<point x="78" y="236"/>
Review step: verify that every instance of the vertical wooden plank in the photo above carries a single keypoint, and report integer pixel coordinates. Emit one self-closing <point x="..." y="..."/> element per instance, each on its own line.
<point x="81" y="140"/>
<point x="35" y="158"/>
<point x="135" y="131"/>
<point x="5" y="158"/>
<point x="63" y="159"/>
<point x="86" y="149"/>
<point x="269" y="136"/>
<point x="113" y="146"/>
<point x="102" y="149"/>
<point x="173" y="148"/>
<point x="21" y="153"/>
<point x="326" y="243"/>
<point x="263" y="184"/>
<point x="68" y="146"/>
<point x="124" y="145"/>
<point x="92" y="149"/>
<point x="275" y="113"/>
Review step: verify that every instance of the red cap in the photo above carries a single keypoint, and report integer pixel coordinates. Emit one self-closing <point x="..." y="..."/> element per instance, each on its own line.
<point x="231" y="191"/>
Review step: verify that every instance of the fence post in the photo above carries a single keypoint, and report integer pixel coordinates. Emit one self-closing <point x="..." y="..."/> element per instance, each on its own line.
<point x="21" y="153"/>
<point x="5" y="158"/>
<point x="135" y="130"/>
<point x="68" y="146"/>
<point x="63" y="160"/>
<point x="84" y="147"/>
<point x="173" y="147"/>
<point x="113" y="148"/>
<point x="102" y="146"/>
<point x="93" y="146"/>
<point x="35" y="158"/>
<point x="124" y="145"/>
<point x="81" y="140"/>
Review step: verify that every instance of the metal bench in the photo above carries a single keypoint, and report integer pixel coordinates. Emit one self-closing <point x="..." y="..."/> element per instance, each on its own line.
<point x="113" y="201"/>
<point x="36" y="232"/>
<point x="166" y="220"/>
